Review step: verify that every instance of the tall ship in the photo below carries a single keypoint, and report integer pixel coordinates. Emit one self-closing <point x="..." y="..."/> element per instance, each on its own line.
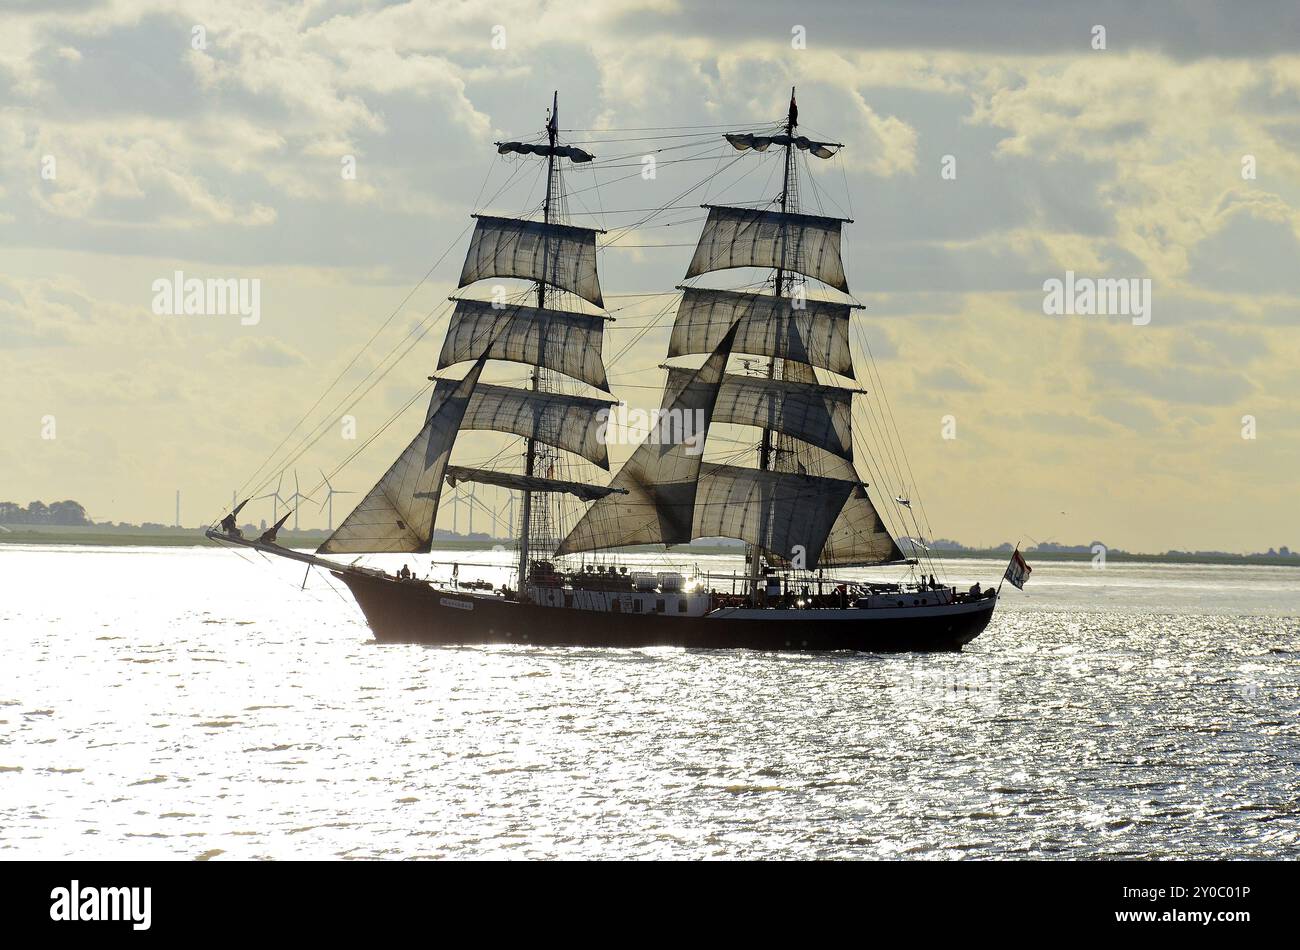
<point x="774" y="360"/>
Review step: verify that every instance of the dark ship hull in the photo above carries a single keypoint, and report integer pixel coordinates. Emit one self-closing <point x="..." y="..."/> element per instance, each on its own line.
<point x="401" y="611"/>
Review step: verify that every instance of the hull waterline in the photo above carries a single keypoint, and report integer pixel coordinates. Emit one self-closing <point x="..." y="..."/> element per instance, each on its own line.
<point x="401" y="611"/>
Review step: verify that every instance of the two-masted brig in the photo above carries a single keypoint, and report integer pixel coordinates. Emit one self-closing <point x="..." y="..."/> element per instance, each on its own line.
<point x="803" y="508"/>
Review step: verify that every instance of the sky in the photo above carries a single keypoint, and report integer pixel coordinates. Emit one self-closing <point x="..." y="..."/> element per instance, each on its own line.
<point x="142" y="138"/>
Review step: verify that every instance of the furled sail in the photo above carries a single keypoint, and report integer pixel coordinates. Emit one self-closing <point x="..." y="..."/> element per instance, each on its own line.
<point x="571" y="423"/>
<point x="576" y="155"/>
<point x="741" y="141"/>
<point x="817" y="334"/>
<point x="561" y="255"/>
<point x="586" y="492"/>
<point x="661" y="475"/>
<point x="397" y="515"/>
<point x="560" y="340"/>
<point x="807" y="244"/>
<point x="815" y="413"/>
<point x="786" y="514"/>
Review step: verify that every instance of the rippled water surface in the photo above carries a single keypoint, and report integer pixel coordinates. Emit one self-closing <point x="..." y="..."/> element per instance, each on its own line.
<point x="184" y="703"/>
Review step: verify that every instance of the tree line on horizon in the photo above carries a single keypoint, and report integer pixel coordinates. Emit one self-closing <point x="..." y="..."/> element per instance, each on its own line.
<point x="66" y="512"/>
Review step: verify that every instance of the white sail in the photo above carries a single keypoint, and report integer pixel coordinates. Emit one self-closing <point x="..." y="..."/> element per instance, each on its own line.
<point x="807" y="244"/>
<point x="786" y="514"/>
<point x="397" y="515"/>
<point x="561" y="255"/>
<point x="658" y="481"/>
<point x="560" y="340"/>
<point x="815" y="413"/>
<point x="567" y="422"/>
<point x="817" y="334"/>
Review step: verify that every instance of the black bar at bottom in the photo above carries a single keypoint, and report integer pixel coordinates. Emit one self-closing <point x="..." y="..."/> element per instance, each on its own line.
<point x="366" y="899"/>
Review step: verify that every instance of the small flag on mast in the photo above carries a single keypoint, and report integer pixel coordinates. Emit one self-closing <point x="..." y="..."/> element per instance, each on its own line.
<point x="1017" y="570"/>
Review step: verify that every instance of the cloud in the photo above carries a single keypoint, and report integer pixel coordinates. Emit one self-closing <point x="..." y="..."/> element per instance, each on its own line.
<point x="227" y="160"/>
<point x="1173" y="384"/>
<point x="1255" y="251"/>
<point x="265" y="351"/>
<point x="1062" y="423"/>
<point x="1206" y="29"/>
<point x="1125" y="412"/>
<point x="950" y="379"/>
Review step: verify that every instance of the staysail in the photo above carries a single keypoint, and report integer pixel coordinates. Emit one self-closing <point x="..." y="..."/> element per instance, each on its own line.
<point x="859" y="538"/>
<point x="397" y="515"/>
<point x="659" y="480"/>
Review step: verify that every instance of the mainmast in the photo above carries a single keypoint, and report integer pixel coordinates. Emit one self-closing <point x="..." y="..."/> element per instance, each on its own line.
<point x="530" y="462"/>
<point x="805" y="503"/>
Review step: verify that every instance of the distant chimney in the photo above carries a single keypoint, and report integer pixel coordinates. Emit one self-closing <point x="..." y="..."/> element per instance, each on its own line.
<point x="178" y="507"/>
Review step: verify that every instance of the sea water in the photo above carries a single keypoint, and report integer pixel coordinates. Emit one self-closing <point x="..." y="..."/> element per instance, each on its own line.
<point x="194" y="703"/>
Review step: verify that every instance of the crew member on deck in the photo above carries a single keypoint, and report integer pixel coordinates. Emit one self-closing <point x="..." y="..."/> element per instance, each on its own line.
<point x="229" y="526"/>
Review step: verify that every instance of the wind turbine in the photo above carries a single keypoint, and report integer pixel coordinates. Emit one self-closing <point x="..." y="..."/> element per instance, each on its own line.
<point x="276" y="499"/>
<point x="499" y="521"/>
<point x="330" y="492"/>
<point x="295" y="497"/>
<point x="454" y="503"/>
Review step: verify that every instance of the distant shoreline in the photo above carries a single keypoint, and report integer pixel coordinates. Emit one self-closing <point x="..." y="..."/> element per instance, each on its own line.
<point x="193" y="537"/>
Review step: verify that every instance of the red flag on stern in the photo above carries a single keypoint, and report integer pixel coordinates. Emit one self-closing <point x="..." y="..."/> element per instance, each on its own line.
<point x="1017" y="570"/>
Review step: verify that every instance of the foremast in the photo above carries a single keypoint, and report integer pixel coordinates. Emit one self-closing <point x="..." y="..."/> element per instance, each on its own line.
<point x="398" y="514"/>
<point x="778" y="291"/>
<point x="530" y="452"/>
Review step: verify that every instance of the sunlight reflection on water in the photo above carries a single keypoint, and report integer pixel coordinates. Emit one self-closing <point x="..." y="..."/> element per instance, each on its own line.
<point x="180" y="703"/>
